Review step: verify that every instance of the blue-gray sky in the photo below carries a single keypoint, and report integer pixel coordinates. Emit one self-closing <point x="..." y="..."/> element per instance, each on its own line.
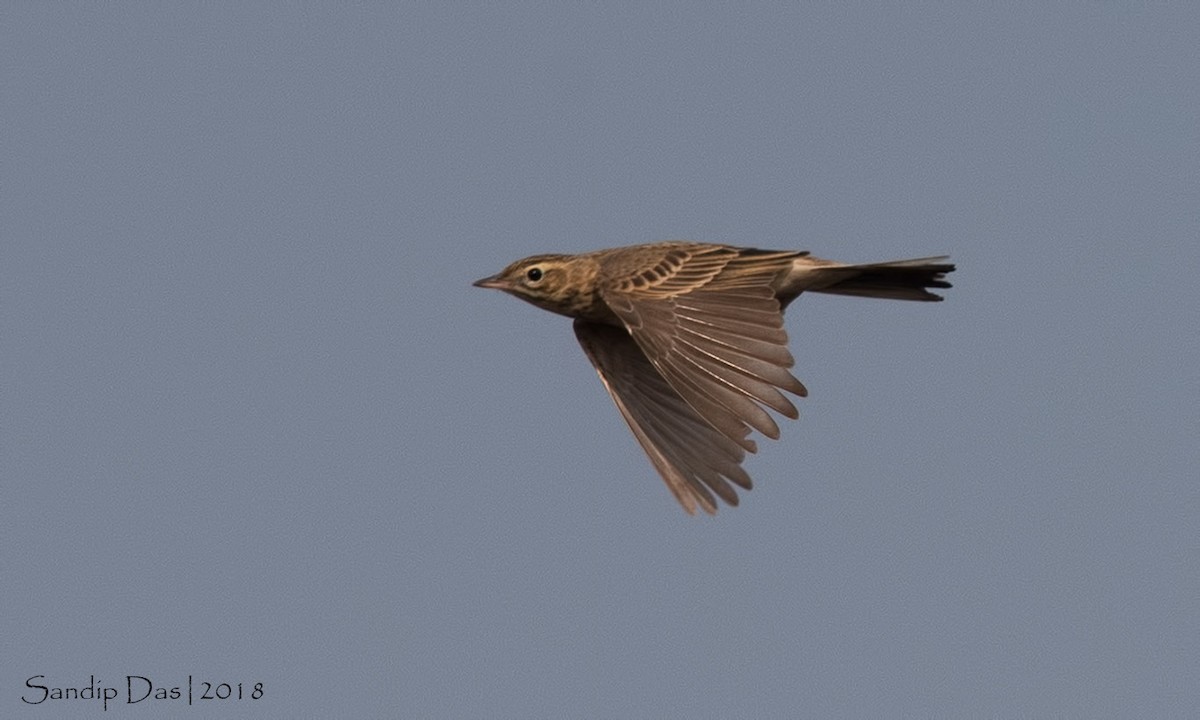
<point x="257" y="426"/>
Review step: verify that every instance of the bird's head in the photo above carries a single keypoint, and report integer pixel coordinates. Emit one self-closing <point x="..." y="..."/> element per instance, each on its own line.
<point x="564" y="284"/>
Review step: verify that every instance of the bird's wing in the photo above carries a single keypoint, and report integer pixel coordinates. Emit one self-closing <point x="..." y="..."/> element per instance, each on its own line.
<point x="710" y="324"/>
<point x="693" y="458"/>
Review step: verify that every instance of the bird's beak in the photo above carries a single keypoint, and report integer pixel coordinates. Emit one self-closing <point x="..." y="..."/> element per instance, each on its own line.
<point x="493" y="282"/>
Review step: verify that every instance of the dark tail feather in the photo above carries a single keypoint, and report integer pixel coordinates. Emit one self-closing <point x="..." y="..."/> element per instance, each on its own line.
<point x="895" y="280"/>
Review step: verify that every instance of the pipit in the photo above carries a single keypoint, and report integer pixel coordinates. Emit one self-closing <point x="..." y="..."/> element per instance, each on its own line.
<point x="688" y="339"/>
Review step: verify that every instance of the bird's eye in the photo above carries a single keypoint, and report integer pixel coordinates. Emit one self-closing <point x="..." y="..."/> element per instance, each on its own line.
<point x="534" y="274"/>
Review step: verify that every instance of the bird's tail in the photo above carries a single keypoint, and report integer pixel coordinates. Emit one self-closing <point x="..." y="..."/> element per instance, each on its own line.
<point x="893" y="280"/>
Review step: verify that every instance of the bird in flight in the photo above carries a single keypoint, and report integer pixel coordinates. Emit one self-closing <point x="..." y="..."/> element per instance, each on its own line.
<point x="688" y="339"/>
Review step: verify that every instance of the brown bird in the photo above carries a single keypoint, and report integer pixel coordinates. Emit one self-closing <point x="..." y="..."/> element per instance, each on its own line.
<point x="689" y="340"/>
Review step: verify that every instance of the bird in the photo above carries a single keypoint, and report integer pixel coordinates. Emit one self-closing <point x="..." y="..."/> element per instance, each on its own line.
<point x="688" y="339"/>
